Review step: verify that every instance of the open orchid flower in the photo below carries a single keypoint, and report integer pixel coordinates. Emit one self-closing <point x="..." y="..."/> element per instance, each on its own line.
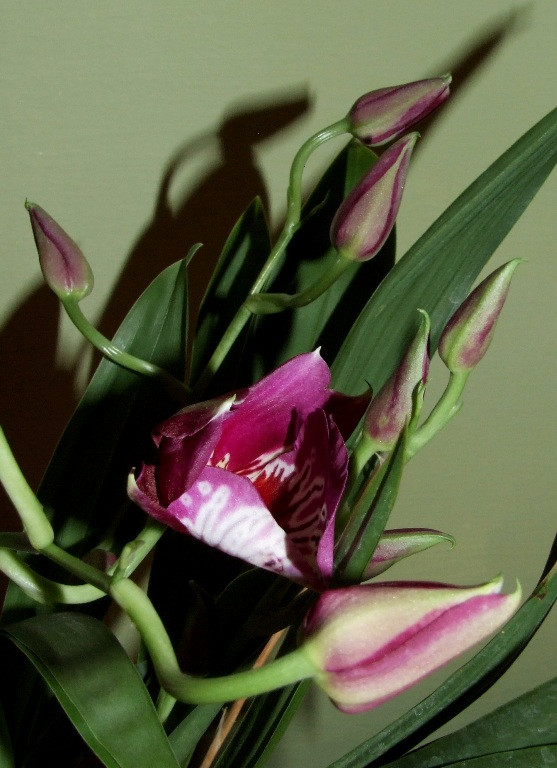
<point x="258" y="474"/>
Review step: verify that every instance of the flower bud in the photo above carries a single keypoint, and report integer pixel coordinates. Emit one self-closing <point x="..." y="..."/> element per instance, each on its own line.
<point x="65" y="268"/>
<point x="468" y="333"/>
<point x="396" y="544"/>
<point x="369" y="643"/>
<point x="382" y="115"/>
<point x="365" y="218"/>
<point x="392" y="408"/>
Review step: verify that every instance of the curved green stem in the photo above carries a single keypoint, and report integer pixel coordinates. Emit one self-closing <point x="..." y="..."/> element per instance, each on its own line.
<point x="270" y="303"/>
<point x="29" y="509"/>
<point x="117" y="355"/>
<point x="448" y="406"/>
<point x="77" y="567"/>
<point x="41" y="589"/>
<point x="292" y="220"/>
<point x="193" y="690"/>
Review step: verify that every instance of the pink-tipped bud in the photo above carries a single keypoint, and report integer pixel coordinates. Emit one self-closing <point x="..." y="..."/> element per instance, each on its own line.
<point x="369" y="643"/>
<point x="380" y="116"/>
<point x="64" y="267"/>
<point x="397" y="544"/>
<point x="365" y="218"/>
<point x="392" y="408"/>
<point x="468" y="333"/>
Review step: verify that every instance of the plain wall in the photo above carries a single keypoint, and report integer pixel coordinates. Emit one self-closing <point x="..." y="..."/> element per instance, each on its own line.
<point x="144" y="127"/>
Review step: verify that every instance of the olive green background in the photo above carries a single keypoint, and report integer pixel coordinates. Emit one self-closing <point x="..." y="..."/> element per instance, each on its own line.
<point x="146" y="126"/>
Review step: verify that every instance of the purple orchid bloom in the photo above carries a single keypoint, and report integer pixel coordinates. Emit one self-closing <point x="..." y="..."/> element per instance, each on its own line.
<point x="258" y="474"/>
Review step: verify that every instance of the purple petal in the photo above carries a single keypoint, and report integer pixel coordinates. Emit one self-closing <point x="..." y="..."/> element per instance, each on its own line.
<point x="186" y="442"/>
<point x="347" y="410"/>
<point x="225" y="511"/>
<point x="305" y="504"/>
<point x="262" y="422"/>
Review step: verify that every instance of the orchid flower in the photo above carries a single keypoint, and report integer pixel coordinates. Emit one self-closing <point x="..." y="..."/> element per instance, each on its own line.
<point x="258" y="474"/>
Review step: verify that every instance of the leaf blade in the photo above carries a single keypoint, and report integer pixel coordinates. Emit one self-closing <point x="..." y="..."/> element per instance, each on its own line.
<point x="107" y="703"/>
<point x="439" y="269"/>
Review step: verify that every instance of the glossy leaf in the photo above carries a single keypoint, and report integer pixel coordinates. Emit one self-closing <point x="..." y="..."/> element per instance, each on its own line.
<point x="439" y="269"/>
<point x="326" y="321"/>
<point x="111" y="426"/>
<point x="461" y="688"/>
<point x="522" y="732"/>
<point x="98" y="687"/>
<point x="241" y="260"/>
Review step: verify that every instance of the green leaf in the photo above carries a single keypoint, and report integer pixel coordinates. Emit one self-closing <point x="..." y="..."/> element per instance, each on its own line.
<point x="185" y="736"/>
<point x="98" y="687"/>
<point x="326" y="321"/>
<point x="522" y="732"/>
<point x="461" y="688"/>
<point x="84" y="487"/>
<point x="262" y="727"/>
<point x="438" y="271"/>
<point x="240" y="262"/>
<point x="6" y="756"/>
<point x="369" y="516"/>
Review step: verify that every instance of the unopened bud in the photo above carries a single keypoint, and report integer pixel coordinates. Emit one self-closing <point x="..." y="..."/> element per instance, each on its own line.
<point x="382" y="115"/>
<point x="365" y="218"/>
<point x="468" y="333"/>
<point x="65" y="268"/>
<point x="392" y="408"/>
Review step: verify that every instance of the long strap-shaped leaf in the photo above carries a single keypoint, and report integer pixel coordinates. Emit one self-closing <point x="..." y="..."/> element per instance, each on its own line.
<point x="98" y="687"/>
<point x="438" y="271"/>
<point x="522" y="732"/>
<point x="85" y="484"/>
<point x="463" y="687"/>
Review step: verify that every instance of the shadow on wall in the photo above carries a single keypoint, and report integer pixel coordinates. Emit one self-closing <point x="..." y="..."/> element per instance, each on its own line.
<point x="37" y="396"/>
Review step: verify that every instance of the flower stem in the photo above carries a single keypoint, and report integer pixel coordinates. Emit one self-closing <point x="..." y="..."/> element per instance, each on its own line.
<point x="292" y="221"/>
<point x="193" y="690"/>
<point x="77" y="567"/>
<point x="41" y="589"/>
<point x="29" y="509"/>
<point x="448" y="406"/>
<point x="270" y="303"/>
<point x="175" y="387"/>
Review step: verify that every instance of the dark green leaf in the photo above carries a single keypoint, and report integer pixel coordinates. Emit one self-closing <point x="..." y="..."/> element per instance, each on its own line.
<point x="369" y="516"/>
<point x="241" y="260"/>
<point x="262" y="727"/>
<point x="461" y="689"/>
<point x="98" y="687"/>
<point x="84" y="487"/>
<point x="326" y="321"/>
<point x="185" y="737"/>
<point x="6" y="756"/>
<point x="524" y="729"/>
<point x="438" y="271"/>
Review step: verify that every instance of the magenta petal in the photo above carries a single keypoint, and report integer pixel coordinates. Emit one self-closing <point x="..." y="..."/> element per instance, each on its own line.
<point x="225" y="511"/>
<point x="347" y="410"/>
<point x="186" y="442"/>
<point x="261" y="424"/>
<point x="305" y="505"/>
